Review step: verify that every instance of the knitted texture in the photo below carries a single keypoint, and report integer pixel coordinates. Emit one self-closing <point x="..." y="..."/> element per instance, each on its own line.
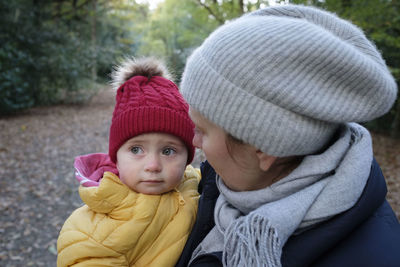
<point x="146" y="105"/>
<point x="247" y="248"/>
<point x="283" y="78"/>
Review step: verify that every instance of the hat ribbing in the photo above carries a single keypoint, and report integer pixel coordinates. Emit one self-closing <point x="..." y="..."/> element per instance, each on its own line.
<point x="283" y="78"/>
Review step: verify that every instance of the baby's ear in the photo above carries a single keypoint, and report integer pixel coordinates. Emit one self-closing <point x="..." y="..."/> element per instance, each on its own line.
<point x="265" y="161"/>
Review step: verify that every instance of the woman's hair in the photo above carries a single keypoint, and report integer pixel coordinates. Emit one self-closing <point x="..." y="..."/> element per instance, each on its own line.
<point x="232" y="143"/>
<point x="285" y="164"/>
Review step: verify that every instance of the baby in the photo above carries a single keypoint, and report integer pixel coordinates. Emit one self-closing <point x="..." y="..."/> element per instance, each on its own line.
<point x="141" y="198"/>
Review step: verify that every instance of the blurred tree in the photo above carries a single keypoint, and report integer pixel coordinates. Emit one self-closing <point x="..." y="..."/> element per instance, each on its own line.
<point x="177" y="27"/>
<point x="224" y="10"/>
<point x="380" y="20"/>
<point x="93" y="37"/>
<point x="53" y="51"/>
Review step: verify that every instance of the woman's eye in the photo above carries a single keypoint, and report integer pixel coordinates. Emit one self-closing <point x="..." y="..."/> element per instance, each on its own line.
<point x="197" y="131"/>
<point x="136" y="150"/>
<point x="168" y="151"/>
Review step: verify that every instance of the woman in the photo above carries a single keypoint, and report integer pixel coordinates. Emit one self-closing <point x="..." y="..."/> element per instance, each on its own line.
<point x="290" y="178"/>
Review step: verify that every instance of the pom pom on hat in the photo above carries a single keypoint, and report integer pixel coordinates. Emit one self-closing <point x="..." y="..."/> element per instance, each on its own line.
<point x="130" y="67"/>
<point x="147" y="102"/>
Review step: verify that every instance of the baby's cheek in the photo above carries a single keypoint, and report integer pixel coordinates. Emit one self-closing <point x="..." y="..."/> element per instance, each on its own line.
<point x="122" y="177"/>
<point x="178" y="176"/>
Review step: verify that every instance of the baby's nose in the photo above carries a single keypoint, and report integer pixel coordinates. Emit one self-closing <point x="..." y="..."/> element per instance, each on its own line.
<point x="153" y="164"/>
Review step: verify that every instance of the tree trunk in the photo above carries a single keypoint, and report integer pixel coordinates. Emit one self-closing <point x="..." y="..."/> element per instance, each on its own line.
<point x="395" y="131"/>
<point x="211" y="12"/>
<point x="93" y="40"/>
<point x="58" y="12"/>
<point x="346" y="4"/>
<point x="241" y="7"/>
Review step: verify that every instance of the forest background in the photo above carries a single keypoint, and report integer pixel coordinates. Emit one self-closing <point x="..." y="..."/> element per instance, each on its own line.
<point x="55" y="61"/>
<point x="62" y="51"/>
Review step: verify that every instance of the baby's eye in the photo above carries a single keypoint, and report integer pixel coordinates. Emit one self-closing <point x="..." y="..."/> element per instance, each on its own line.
<point x="136" y="150"/>
<point x="168" y="151"/>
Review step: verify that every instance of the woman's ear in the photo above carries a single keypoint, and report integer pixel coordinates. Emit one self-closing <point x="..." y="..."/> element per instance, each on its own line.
<point x="265" y="161"/>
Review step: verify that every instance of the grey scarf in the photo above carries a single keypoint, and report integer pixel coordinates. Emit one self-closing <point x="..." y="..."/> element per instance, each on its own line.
<point x="253" y="226"/>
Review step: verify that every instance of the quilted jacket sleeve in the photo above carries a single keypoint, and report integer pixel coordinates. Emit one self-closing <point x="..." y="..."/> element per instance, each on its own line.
<point x="87" y="239"/>
<point x="76" y="247"/>
<point x="189" y="185"/>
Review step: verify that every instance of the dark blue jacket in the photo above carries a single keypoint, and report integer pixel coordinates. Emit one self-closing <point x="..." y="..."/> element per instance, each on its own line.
<point x="366" y="235"/>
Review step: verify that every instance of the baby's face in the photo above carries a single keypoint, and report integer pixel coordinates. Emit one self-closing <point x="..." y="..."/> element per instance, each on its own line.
<point x="152" y="163"/>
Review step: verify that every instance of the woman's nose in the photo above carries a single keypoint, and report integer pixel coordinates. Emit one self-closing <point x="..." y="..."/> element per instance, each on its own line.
<point x="197" y="141"/>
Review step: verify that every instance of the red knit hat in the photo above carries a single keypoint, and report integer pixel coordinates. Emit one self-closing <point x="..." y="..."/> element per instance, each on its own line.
<point x="146" y="103"/>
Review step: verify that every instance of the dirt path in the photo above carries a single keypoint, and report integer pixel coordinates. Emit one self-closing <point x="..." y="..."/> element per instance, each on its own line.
<point x="37" y="186"/>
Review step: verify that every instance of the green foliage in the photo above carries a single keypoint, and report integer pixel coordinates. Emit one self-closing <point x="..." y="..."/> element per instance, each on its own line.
<point x="380" y="20"/>
<point x="16" y="87"/>
<point x="172" y="32"/>
<point x="56" y="51"/>
<point x="53" y="52"/>
<point x="177" y="27"/>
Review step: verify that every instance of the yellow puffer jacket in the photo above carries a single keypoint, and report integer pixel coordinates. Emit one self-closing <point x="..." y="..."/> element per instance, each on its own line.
<point x="119" y="227"/>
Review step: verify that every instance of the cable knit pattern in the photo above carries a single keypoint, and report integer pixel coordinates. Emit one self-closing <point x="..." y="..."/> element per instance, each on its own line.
<point x="145" y="105"/>
<point x="283" y="78"/>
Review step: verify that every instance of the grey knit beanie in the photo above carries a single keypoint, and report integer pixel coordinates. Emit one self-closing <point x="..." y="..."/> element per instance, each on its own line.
<point x="283" y="78"/>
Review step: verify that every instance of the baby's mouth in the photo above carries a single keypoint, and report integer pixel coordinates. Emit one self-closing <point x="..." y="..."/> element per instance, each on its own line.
<point x="152" y="181"/>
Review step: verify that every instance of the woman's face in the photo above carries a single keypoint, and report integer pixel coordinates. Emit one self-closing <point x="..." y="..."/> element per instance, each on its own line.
<point x="239" y="167"/>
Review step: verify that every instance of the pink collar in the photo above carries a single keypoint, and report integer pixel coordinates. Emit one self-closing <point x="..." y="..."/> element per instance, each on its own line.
<point x="89" y="169"/>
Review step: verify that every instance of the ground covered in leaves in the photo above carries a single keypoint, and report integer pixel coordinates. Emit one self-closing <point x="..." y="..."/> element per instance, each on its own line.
<point x="38" y="190"/>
